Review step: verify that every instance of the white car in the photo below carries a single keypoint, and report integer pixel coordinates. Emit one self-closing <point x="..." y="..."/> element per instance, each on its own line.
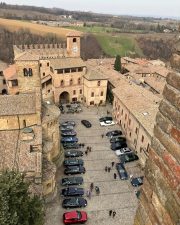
<point x="107" y="123"/>
<point x="123" y="151"/>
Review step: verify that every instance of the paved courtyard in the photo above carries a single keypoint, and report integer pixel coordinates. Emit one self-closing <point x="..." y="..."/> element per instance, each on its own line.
<point x="117" y="195"/>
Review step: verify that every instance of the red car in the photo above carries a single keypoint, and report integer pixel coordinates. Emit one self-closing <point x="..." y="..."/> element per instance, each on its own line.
<point x="74" y="217"/>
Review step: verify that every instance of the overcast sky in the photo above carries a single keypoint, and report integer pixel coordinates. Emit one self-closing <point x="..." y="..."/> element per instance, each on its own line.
<point x="160" y="8"/>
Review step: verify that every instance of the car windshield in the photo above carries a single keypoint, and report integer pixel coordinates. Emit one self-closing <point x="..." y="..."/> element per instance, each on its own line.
<point x="79" y="216"/>
<point x="139" y="180"/>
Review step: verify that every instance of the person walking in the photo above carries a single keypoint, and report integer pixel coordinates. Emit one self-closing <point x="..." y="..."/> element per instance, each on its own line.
<point x="110" y="212"/>
<point x="102" y="135"/>
<point x="114" y="213"/>
<point x="90" y="149"/>
<point x="106" y="168"/>
<point x="86" y="152"/>
<point x="109" y="169"/>
<point x="91" y="186"/>
<point x="112" y="164"/>
<point x="115" y="176"/>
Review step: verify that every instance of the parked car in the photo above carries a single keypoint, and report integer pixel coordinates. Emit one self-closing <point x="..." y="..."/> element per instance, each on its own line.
<point x="69" y="139"/>
<point x="86" y="123"/>
<point x="67" y="128"/>
<point x="130" y="157"/>
<point x="71" y="145"/>
<point x="68" y="133"/>
<point x="74" y="202"/>
<point x="123" y="151"/>
<point x="137" y="181"/>
<point x="107" y="123"/>
<point x="105" y="118"/>
<point x="117" y="139"/>
<point x="118" y="145"/>
<point x="122" y="171"/>
<point x="73" y="153"/>
<point x="74" y="217"/>
<point x="73" y="162"/>
<point x="68" y="123"/>
<point x="74" y="170"/>
<point x="113" y="133"/>
<point x="72" y="181"/>
<point x="72" y="191"/>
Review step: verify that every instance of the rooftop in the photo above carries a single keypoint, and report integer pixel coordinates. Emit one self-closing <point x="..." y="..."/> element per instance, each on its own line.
<point x="17" y="104"/>
<point x="94" y="75"/>
<point x="3" y="65"/>
<point x="141" y="103"/>
<point x="10" y="72"/>
<point x="63" y="63"/>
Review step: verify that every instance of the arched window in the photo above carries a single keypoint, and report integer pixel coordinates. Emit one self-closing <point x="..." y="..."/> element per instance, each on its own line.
<point x="99" y="83"/>
<point x="74" y="40"/>
<point x="62" y="83"/>
<point x="71" y="82"/>
<point x="79" y="80"/>
<point x="25" y="71"/>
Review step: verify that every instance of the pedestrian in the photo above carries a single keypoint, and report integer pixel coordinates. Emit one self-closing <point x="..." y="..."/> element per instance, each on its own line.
<point x="115" y="176"/>
<point x="86" y="152"/>
<point x="102" y="135"/>
<point x="112" y="164"/>
<point x="97" y="190"/>
<point x="109" y="169"/>
<point x="114" y="213"/>
<point x="107" y="112"/>
<point x="87" y="148"/>
<point x="83" y="145"/>
<point x="91" y="186"/>
<point x="90" y="149"/>
<point x="110" y="212"/>
<point x="87" y="193"/>
<point x="106" y="168"/>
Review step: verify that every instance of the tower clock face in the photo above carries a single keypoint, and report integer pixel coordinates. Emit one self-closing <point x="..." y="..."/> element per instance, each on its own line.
<point x="75" y="49"/>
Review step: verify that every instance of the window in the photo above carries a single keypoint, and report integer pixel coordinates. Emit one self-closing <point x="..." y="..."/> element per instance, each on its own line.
<point x="130" y="134"/>
<point x="71" y="82"/>
<point x="27" y="72"/>
<point x="92" y="103"/>
<point x="142" y="139"/>
<point x="125" y="116"/>
<point x="40" y="64"/>
<point x="74" y="40"/>
<point x="129" y="121"/>
<point x="99" y="83"/>
<point x="14" y="83"/>
<point x="122" y="112"/>
<point x="62" y="83"/>
<point x="24" y="123"/>
<point x="102" y="93"/>
<point x="48" y="64"/>
<point x="67" y="70"/>
<point x="44" y="74"/>
<point x="124" y="126"/>
<point x="79" y="80"/>
<point x="92" y="94"/>
<point x="80" y="91"/>
<point x="4" y="81"/>
<point x="74" y="92"/>
<point x="30" y="72"/>
<point x="136" y="130"/>
<point x="59" y="71"/>
<point x="80" y="69"/>
<point x="73" y="70"/>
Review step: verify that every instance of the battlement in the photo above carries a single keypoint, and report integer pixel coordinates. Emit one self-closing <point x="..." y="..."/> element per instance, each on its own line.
<point x="41" y="46"/>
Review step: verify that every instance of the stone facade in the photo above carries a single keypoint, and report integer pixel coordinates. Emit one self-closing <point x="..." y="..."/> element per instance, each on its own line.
<point x="160" y="195"/>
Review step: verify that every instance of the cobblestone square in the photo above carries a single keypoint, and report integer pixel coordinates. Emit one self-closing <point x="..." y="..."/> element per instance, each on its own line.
<point x="115" y="195"/>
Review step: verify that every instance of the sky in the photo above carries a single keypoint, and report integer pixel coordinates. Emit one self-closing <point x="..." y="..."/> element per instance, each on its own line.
<point x="158" y="8"/>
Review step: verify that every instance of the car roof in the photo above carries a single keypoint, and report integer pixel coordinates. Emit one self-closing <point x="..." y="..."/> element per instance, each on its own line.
<point x="72" y="214"/>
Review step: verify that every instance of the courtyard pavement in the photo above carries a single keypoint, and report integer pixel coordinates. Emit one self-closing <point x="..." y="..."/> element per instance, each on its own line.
<point x="115" y="195"/>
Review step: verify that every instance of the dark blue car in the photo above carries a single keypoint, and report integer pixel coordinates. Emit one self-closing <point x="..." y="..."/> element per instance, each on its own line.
<point x="69" y="139"/>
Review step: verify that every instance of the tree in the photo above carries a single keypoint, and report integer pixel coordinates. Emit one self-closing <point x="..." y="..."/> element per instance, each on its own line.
<point x="117" y="64"/>
<point x="17" y="206"/>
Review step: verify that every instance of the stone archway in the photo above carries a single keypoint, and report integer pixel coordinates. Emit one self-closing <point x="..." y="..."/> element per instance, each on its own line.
<point x="64" y="97"/>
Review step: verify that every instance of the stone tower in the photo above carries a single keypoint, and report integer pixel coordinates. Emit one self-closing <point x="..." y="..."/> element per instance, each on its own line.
<point x="160" y="194"/>
<point x="73" y="44"/>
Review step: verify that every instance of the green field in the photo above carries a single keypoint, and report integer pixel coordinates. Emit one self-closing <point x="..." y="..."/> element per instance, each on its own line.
<point x="112" y="42"/>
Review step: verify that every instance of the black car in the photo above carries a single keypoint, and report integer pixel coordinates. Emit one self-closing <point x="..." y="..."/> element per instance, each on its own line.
<point x="122" y="171"/>
<point x="68" y="123"/>
<point x="67" y="133"/>
<point x="74" y="170"/>
<point x="72" y="181"/>
<point x="74" y="202"/>
<point x="73" y="153"/>
<point x="130" y="157"/>
<point x="86" y="123"/>
<point x="113" y="133"/>
<point x="106" y="118"/>
<point x="118" y="139"/>
<point x="118" y="145"/>
<point x="71" y="145"/>
<point x="67" y="128"/>
<point x="72" y="191"/>
<point x="137" y="181"/>
<point x="73" y="162"/>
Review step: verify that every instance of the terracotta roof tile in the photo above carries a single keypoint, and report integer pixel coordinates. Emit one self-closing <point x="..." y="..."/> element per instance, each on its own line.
<point x="10" y="72"/>
<point x="62" y="63"/>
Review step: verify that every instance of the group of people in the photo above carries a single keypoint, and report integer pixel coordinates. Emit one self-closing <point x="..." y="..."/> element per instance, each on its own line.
<point x="112" y="213"/>
<point x="89" y="149"/>
<point x="81" y="145"/>
<point x="108" y="169"/>
<point x="89" y="192"/>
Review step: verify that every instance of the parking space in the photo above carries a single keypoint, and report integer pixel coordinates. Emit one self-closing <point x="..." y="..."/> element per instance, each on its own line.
<point x="117" y="195"/>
